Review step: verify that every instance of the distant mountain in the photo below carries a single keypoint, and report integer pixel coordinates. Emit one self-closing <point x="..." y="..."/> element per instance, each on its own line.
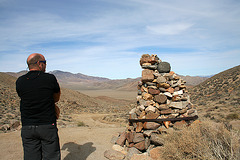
<point x="84" y="82"/>
<point x="70" y="77"/>
<point x="218" y="97"/>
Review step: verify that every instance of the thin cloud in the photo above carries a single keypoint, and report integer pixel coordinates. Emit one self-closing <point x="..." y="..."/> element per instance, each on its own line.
<point x="105" y="37"/>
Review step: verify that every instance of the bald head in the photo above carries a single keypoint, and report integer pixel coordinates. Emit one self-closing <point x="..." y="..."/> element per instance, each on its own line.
<point x="33" y="62"/>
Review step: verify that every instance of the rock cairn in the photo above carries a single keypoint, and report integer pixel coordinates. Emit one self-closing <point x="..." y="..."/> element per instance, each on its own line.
<point x="163" y="103"/>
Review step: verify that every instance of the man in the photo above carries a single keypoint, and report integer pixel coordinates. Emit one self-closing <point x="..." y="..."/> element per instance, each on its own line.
<point x="38" y="92"/>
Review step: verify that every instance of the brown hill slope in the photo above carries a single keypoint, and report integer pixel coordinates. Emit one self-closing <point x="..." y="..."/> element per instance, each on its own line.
<point x="218" y="98"/>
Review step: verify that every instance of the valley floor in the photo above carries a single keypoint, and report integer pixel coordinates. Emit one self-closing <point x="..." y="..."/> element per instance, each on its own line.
<point x="77" y="143"/>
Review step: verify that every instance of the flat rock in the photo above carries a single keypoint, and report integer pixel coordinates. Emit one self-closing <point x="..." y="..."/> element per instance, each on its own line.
<point x="152" y="115"/>
<point x="153" y="91"/>
<point x="178" y="105"/>
<point x="151" y="125"/>
<point x="166" y="111"/>
<point x="113" y="155"/>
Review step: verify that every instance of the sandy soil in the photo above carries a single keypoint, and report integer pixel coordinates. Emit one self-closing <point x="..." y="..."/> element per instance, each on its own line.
<point x="77" y="143"/>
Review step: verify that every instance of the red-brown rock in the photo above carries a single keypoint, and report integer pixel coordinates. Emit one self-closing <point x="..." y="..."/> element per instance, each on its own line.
<point x="153" y="91"/>
<point x="121" y="139"/>
<point x="151" y="125"/>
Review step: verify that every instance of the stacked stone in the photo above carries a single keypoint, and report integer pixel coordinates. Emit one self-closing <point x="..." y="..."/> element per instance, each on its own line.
<point x="161" y="92"/>
<point x="161" y="95"/>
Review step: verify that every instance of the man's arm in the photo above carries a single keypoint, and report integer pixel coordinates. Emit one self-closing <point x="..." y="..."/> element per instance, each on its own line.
<point x="56" y="96"/>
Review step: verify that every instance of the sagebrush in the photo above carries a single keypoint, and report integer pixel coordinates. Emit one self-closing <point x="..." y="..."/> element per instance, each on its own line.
<point x="206" y="140"/>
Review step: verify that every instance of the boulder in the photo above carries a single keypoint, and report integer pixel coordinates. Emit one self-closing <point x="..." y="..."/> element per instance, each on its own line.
<point x="164" y="67"/>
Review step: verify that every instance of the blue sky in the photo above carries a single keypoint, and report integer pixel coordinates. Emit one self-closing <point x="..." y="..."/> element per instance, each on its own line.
<point x="106" y="38"/>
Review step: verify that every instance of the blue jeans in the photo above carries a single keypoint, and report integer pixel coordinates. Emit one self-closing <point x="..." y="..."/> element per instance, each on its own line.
<point x="41" y="142"/>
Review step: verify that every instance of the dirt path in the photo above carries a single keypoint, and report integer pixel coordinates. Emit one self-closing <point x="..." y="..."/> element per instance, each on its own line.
<point x="77" y="143"/>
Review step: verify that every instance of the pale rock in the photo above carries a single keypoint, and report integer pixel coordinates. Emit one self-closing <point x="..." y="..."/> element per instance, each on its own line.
<point x="153" y="67"/>
<point x="117" y="147"/>
<point x="151" y="84"/>
<point x="178" y="105"/>
<point x="178" y="93"/>
<point x="142" y="156"/>
<point x="139" y="98"/>
<point x="141" y="107"/>
<point x="168" y="94"/>
<point x="150" y="108"/>
<point x="113" y="155"/>
<point x="132" y="111"/>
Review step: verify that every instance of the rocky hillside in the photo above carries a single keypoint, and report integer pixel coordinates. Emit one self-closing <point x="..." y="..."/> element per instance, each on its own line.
<point x="70" y="102"/>
<point x="218" y="98"/>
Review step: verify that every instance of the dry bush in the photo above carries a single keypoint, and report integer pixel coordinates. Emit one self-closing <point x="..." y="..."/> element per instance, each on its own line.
<point x="206" y="140"/>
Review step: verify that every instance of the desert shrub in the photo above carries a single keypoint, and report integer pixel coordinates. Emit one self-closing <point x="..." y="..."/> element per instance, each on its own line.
<point x="81" y="124"/>
<point x="232" y="116"/>
<point x="207" y="140"/>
